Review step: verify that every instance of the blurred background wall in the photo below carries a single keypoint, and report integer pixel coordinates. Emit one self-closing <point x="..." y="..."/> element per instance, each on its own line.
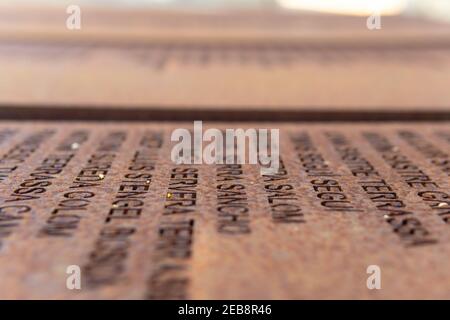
<point x="437" y="9"/>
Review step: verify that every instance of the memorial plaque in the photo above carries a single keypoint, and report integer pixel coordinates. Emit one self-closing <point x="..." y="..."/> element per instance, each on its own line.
<point x="107" y="198"/>
<point x="96" y="206"/>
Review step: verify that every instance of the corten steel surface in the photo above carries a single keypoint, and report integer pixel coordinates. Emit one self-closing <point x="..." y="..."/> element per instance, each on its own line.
<point x="173" y="64"/>
<point x="107" y="197"/>
<point x="348" y="196"/>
